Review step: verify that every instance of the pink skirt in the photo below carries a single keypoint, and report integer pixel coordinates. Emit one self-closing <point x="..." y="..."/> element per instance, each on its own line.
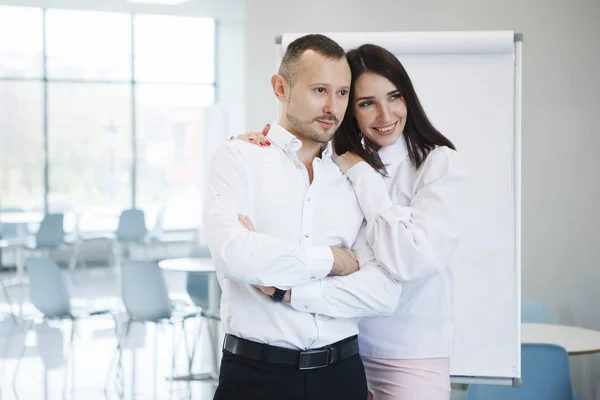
<point x="419" y="379"/>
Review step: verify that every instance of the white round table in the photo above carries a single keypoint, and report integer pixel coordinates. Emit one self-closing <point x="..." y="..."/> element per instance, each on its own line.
<point x="575" y="340"/>
<point x="201" y="265"/>
<point x="21" y="217"/>
<point x="187" y="264"/>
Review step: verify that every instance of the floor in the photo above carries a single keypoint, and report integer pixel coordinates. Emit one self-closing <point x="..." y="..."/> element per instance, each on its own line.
<point x="42" y="371"/>
<point x="147" y="358"/>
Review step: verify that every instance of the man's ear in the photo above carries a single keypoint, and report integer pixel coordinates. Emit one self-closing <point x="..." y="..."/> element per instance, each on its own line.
<point x="281" y="88"/>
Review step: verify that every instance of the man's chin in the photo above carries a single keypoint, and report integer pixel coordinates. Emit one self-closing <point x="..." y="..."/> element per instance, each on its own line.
<point x="322" y="138"/>
<point x="323" y="135"/>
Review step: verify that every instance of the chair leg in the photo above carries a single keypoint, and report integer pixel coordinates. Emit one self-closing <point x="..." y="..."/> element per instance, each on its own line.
<point x="173" y="348"/>
<point x="9" y="301"/>
<point x="196" y="340"/>
<point x="175" y="341"/>
<point x="120" y="377"/>
<point x="29" y="325"/>
<point x="112" y="363"/>
<point x="68" y="356"/>
<point x="74" y="257"/>
<point x="117" y="354"/>
<point x="185" y="344"/>
<point x="117" y="254"/>
<point x="155" y="369"/>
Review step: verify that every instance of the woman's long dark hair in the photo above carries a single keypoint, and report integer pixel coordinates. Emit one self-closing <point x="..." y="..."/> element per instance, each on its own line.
<point x="420" y="135"/>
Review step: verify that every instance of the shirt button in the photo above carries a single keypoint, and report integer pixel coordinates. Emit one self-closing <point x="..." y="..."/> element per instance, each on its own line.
<point x="308" y="199"/>
<point x="313" y="278"/>
<point x="306" y="235"/>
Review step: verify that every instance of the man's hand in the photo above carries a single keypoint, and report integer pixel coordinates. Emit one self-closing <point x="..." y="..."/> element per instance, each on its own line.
<point x="344" y="262"/>
<point x="269" y="291"/>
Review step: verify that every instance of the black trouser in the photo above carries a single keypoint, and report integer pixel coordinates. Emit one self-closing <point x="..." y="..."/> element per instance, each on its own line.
<point x="245" y="379"/>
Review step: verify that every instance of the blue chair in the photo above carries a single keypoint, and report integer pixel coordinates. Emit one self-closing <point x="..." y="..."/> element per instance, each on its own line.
<point x="132" y="226"/>
<point x="196" y="285"/>
<point x="545" y="375"/>
<point x="51" y="236"/>
<point x="146" y="298"/>
<point x="131" y="229"/>
<point x="533" y="311"/>
<point x="50" y="295"/>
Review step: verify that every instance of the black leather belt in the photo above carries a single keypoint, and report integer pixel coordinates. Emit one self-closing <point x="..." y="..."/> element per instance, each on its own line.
<point x="309" y="359"/>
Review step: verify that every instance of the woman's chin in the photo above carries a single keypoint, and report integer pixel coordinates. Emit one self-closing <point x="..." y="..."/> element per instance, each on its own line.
<point x="384" y="141"/>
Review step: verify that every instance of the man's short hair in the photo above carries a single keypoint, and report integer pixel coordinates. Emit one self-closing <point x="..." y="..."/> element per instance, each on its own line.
<point x="290" y="63"/>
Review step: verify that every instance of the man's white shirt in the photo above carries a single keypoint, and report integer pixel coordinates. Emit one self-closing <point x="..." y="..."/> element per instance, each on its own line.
<point x="296" y="223"/>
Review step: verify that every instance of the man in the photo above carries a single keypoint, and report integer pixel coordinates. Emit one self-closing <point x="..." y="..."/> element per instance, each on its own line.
<point x="305" y="217"/>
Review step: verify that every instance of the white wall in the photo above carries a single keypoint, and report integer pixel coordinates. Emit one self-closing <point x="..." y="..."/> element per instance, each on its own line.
<point x="561" y="103"/>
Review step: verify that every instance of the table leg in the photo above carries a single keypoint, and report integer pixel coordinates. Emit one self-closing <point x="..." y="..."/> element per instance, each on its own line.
<point x="214" y="303"/>
<point x="20" y="279"/>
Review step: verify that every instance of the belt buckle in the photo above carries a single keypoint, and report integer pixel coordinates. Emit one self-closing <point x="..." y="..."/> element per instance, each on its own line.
<point x="306" y="356"/>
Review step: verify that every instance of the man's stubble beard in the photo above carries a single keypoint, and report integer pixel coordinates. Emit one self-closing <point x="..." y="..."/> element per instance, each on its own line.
<point x="306" y="131"/>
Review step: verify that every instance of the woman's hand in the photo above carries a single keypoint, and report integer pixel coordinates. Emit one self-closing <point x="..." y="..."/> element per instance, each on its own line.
<point x="246" y="222"/>
<point x="259" y="139"/>
<point x="346" y="160"/>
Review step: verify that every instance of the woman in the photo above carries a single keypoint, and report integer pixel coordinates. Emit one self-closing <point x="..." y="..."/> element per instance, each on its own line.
<point x="407" y="179"/>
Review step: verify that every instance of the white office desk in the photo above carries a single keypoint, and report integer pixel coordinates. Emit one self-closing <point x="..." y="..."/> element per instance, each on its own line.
<point x="574" y="339"/>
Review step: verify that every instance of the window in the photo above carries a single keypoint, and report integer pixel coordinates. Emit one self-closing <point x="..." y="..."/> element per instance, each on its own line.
<point x="21" y="144"/>
<point x="170" y="126"/>
<point x="21" y="44"/>
<point x="178" y="53"/>
<point x="174" y="49"/>
<point x="89" y="143"/>
<point x="88" y="45"/>
<point x="92" y="85"/>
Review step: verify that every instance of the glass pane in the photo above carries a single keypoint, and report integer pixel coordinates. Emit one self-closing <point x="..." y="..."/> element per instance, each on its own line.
<point x="89" y="145"/>
<point x="174" y="49"/>
<point x="21" y="145"/>
<point x="170" y="127"/>
<point x="88" y="45"/>
<point x="21" y="42"/>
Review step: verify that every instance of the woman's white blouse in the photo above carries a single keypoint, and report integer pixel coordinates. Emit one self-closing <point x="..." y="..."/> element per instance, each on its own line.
<point x="411" y="225"/>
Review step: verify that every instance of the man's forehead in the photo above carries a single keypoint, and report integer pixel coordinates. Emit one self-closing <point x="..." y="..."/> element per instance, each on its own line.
<point x="318" y="68"/>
